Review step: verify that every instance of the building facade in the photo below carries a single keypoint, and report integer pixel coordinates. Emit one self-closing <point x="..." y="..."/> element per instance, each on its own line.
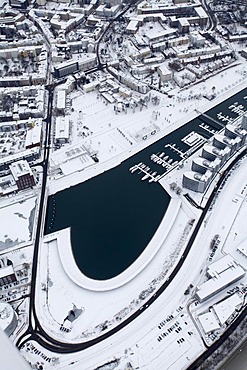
<point x="22" y="174"/>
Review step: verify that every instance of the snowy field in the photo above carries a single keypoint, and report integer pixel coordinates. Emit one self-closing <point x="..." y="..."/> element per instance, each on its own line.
<point x="114" y="136"/>
<point x="101" y="311"/>
<point x="156" y="342"/>
<point x="17" y="222"/>
<point x="109" y="306"/>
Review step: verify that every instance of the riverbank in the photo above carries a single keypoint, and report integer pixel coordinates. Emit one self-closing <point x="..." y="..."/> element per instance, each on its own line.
<point x="63" y="240"/>
<point x="58" y="183"/>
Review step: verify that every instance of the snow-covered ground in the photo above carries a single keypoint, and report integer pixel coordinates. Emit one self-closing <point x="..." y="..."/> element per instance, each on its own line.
<point x="114" y="136"/>
<point x="153" y="338"/>
<point x="145" y="345"/>
<point x="17" y="221"/>
<point x="164" y="336"/>
<point x="109" y="301"/>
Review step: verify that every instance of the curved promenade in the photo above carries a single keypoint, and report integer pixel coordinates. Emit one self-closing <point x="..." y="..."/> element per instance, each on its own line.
<point x="70" y="267"/>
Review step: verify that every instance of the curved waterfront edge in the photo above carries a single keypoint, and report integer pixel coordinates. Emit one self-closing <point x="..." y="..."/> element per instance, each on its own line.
<point x="53" y="345"/>
<point x="63" y="239"/>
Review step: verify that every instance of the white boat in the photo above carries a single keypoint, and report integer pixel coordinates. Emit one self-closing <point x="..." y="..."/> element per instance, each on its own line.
<point x="145" y="177"/>
<point x="133" y="169"/>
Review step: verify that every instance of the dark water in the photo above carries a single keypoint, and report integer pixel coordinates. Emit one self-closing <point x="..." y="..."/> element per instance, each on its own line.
<point x="113" y="216"/>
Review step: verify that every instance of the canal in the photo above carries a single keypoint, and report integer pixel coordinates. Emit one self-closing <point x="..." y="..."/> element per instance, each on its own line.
<point x="113" y="216"/>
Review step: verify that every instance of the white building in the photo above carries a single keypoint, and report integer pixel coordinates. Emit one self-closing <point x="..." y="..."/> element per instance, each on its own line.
<point x="196" y="181"/>
<point x="201" y="165"/>
<point x="22" y="174"/>
<point x="209" y="322"/>
<point x="61" y="101"/>
<point x="224" y="309"/>
<point x="132" y="26"/>
<point x="34" y="136"/>
<point x="197" y="39"/>
<point x="242" y="248"/>
<point x="221" y="273"/>
<point x="90" y="86"/>
<point x="164" y="73"/>
<point x="62" y="130"/>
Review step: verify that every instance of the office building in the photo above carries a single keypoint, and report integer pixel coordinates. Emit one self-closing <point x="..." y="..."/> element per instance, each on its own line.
<point x="196" y="181"/>
<point x="202" y="165"/>
<point x="66" y="68"/>
<point x="22" y="174"/>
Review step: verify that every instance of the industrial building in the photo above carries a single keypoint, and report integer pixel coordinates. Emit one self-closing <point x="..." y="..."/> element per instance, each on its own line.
<point x="221" y="274"/>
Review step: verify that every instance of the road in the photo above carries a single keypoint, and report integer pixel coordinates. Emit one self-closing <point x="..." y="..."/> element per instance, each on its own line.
<point x="35" y="330"/>
<point x="33" y="321"/>
<point x="212" y="20"/>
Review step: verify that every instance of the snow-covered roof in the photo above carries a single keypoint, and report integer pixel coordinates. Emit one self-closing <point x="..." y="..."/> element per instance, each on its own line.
<point x="201" y="12"/>
<point x="221" y="265"/>
<point x="209" y="322"/>
<point x="24" y="154"/>
<point x="198" y="176"/>
<point x="226" y="308"/>
<point x="19" y="169"/>
<point x="33" y="136"/>
<point x="207" y="164"/>
<point x="62" y="128"/>
<point x="243" y="248"/>
<point x="6" y="271"/>
<point x="61" y="97"/>
<point x="223" y="272"/>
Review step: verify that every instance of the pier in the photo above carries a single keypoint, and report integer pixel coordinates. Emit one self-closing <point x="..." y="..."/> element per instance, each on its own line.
<point x="149" y="175"/>
<point x="176" y="149"/>
<point x="210" y="118"/>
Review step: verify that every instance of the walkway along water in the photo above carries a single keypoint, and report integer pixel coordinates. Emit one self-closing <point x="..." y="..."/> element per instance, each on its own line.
<point x="113" y="216"/>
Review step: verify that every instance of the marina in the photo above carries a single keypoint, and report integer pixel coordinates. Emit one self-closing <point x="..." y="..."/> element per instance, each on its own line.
<point x="193" y="138"/>
<point x="142" y="169"/>
<point x="131" y="193"/>
<point x="207" y="128"/>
